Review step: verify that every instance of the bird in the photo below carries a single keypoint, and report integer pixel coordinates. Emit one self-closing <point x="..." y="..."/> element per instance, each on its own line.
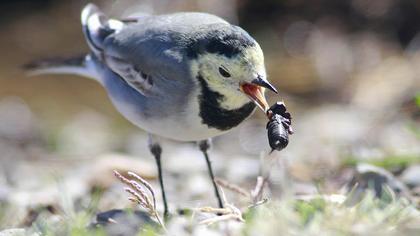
<point x="187" y="76"/>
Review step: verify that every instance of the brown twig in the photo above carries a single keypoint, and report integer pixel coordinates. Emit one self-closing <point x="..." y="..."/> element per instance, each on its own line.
<point x="256" y="194"/>
<point x="233" y="187"/>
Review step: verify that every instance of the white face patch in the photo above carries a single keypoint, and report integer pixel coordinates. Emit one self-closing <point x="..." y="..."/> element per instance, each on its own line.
<point x="244" y="67"/>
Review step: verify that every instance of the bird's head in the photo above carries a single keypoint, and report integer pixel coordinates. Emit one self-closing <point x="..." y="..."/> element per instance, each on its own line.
<point x="231" y="63"/>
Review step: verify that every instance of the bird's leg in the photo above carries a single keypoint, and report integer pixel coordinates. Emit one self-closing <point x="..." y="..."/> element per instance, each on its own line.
<point x="204" y="146"/>
<point x="156" y="151"/>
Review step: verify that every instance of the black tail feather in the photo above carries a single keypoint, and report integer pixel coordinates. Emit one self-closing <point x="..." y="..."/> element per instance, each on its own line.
<point x="78" y="65"/>
<point x="54" y="62"/>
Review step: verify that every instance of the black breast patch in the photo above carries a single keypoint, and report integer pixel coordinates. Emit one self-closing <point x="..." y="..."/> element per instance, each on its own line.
<point x="213" y="115"/>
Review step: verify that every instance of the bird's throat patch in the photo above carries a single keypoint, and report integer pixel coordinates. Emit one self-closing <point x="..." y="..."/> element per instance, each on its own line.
<point x="215" y="116"/>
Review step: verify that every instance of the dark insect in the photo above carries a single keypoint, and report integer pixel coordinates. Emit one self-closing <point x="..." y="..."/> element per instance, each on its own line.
<point x="279" y="126"/>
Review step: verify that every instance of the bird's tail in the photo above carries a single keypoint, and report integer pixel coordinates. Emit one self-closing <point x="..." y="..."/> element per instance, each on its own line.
<point x="78" y="65"/>
<point x="97" y="26"/>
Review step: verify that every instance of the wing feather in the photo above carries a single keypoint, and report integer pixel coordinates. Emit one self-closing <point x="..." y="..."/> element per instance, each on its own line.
<point x="145" y="52"/>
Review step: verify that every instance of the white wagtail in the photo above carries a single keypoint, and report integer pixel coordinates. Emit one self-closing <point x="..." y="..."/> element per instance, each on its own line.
<point x="183" y="76"/>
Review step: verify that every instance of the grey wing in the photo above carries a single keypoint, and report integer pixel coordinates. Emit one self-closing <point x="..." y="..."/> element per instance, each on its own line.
<point x="148" y="53"/>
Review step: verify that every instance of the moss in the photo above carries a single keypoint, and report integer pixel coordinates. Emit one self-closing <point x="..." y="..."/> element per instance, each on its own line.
<point x="307" y="209"/>
<point x="391" y="163"/>
<point x="417" y="99"/>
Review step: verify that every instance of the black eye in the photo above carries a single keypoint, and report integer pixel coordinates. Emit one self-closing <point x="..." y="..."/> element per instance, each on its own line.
<point x="223" y="72"/>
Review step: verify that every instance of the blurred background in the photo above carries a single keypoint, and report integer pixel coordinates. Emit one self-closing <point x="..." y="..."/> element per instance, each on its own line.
<point x="348" y="71"/>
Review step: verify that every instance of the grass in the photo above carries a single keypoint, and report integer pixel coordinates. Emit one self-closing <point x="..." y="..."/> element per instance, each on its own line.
<point x="76" y="225"/>
<point x="317" y="216"/>
<point x="329" y="218"/>
<point x="307" y="210"/>
<point x="390" y="163"/>
<point x="304" y="215"/>
<point x="417" y="100"/>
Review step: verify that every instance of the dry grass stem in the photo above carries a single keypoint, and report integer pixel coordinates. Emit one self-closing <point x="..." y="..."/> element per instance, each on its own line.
<point x="221" y="218"/>
<point x="256" y="194"/>
<point x="221" y="211"/>
<point x="145" y="184"/>
<point x="142" y="194"/>
<point x="259" y="203"/>
<point x="139" y="197"/>
<point x="233" y="187"/>
<point x="112" y="221"/>
<point x="229" y="212"/>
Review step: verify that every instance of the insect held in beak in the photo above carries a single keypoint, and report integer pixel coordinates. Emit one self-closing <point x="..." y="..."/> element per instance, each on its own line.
<point x="279" y="126"/>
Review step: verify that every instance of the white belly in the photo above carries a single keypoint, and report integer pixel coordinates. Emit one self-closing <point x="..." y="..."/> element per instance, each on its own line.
<point x="181" y="127"/>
